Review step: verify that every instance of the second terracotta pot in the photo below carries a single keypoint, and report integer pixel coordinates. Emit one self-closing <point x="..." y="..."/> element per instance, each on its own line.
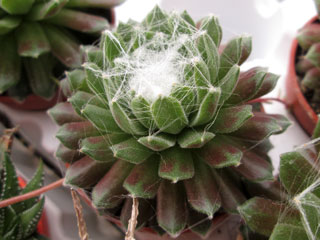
<point x="294" y="96"/>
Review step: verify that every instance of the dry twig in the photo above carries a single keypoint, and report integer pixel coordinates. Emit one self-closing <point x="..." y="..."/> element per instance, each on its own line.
<point x="83" y="233"/>
<point x="133" y="220"/>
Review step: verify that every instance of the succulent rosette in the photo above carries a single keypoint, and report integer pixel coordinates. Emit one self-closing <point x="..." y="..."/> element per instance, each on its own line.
<point x="157" y="113"/>
<point x="41" y="38"/>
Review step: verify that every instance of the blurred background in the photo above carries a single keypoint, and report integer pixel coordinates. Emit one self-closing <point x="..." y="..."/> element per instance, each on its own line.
<point x="272" y="24"/>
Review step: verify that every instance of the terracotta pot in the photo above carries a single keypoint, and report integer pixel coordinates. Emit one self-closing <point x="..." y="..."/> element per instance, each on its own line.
<point x="223" y="227"/>
<point x="294" y="96"/>
<point x="31" y="103"/>
<point x="42" y="227"/>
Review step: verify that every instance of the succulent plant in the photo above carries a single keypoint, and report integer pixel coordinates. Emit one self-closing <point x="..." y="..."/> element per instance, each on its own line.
<point x="297" y="216"/>
<point x="159" y="114"/>
<point x="308" y="62"/>
<point x="41" y="38"/>
<point x="20" y="220"/>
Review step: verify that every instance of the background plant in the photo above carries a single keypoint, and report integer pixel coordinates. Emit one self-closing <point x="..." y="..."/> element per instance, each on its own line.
<point x="308" y="62"/>
<point x="41" y="39"/>
<point x="18" y="221"/>
<point x="158" y="114"/>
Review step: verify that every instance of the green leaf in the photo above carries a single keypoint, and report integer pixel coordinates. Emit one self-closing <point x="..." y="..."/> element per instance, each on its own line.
<point x="10" y="64"/>
<point x="9" y="23"/>
<point x="94" y="78"/>
<point x="10" y="186"/>
<point x="77" y="80"/>
<point x="67" y="155"/>
<point x="169" y="115"/>
<point x="98" y="148"/>
<point x="171" y="208"/>
<point x="310" y="212"/>
<point x="80" y="99"/>
<point x="211" y="25"/>
<point x="157" y="21"/>
<point x="220" y="153"/>
<point x="64" y="113"/>
<point x="210" y="55"/>
<point x="283" y="231"/>
<point x="46" y="9"/>
<point x="70" y="134"/>
<point x="313" y="54"/>
<point x="158" y="142"/>
<point x="186" y="17"/>
<point x="230" y="194"/>
<point x="15" y="233"/>
<point x="254" y="167"/>
<point x="199" y="223"/>
<point x="85" y="172"/>
<point x="64" y="46"/>
<point x="282" y="121"/>
<point x="16" y="7"/>
<point x="132" y="151"/>
<point x="236" y="52"/>
<point x="32" y="40"/>
<point x="261" y="214"/>
<point x="108" y="193"/>
<point x="143" y="181"/>
<point x="186" y="96"/>
<point x="31" y="217"/>
<point x="122" y="118"/>
<point x="202" y="191"/>
<point x="269" y="83"/>
<point x="231" y="119"/>
<point x="112" y="46"/>
<point x="229" y="83"/>
<point x="141" y="109"/>
<point x="248" y="85"/>
<point x="92" y="54"/>
<point x="40" y="75"/>
<point x="101" y="118"/>
<point x="193" y="138"/>
<point x="9" y="220"/>
<point x="201" y="78"/>
<point x="79" y="21"/>
<point x="35" y="183"/>
<point x="258" y="127"/>
<point x="207" y="108"/>
<point x="176" y="164"/>
<point x="298" y="170"/>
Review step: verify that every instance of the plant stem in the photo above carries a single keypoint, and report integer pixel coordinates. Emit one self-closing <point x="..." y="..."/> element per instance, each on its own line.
<point x="133" y="220"/>
<point x="32" y="194"/>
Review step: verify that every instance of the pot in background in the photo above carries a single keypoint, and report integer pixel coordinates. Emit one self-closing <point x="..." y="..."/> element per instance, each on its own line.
<point x="294" y="96"/>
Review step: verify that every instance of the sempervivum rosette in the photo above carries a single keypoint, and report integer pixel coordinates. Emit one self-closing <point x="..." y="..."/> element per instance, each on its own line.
<point x="41" y="38"/>
<point x="159" y="114"/>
